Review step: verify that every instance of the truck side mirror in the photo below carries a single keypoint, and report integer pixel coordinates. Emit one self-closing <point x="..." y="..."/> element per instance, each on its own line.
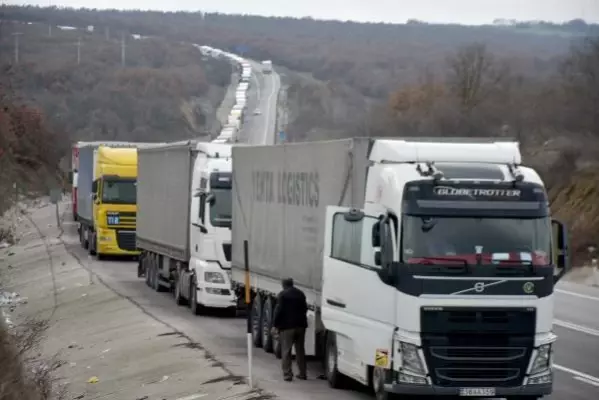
<point x="376" y="235"/>
<point x="561" y="258"/>
<point x="95" y="187"/>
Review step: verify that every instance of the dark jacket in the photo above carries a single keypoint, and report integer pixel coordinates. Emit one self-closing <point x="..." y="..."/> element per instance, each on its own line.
<point x="291" y="309"/>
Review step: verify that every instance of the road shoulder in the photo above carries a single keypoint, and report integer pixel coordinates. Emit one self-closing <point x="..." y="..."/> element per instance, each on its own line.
<point x="107" y="346"/>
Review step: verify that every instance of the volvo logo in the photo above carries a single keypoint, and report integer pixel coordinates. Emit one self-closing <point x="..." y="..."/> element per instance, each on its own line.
<point x="528" y="287"/>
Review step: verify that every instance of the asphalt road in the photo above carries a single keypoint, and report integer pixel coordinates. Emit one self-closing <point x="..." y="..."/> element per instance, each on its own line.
<point x="260" y="129"/>
<point x="577" y="324"/>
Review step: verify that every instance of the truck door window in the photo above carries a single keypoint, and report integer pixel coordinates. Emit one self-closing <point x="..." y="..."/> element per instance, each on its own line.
<point x="351" y="241"/>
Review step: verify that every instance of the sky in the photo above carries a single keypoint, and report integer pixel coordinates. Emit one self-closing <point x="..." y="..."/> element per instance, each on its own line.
<point x="470" y="12"/>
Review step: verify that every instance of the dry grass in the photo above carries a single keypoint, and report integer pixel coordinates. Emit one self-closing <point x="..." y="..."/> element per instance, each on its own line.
<point x="25" y="374"/>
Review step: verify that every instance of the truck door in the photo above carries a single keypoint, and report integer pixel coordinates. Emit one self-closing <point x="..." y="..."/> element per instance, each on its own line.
<point x="356" y="302"/>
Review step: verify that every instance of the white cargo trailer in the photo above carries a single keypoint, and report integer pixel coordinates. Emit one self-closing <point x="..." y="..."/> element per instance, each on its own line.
<point x="425" y="263"/>
<point x="184" y="222"/>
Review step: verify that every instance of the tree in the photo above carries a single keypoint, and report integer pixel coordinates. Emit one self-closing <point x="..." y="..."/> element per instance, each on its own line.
<point x="473" y="75"/>
<point x="580" y="74"/>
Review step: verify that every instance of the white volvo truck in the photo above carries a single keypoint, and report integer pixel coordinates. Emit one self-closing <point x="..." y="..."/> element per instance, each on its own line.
<point x="428" y="265"/>
<point x="184" y="222"/>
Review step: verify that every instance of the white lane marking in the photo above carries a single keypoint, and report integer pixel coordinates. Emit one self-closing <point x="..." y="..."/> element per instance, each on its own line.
<point x="193" y="396"/>
<point x="266" y="122"/>
<point x="585" y="380"/>
<point x="576" y="327"/>
<point x="577" y="374"/>
<point x="582" y="296"/>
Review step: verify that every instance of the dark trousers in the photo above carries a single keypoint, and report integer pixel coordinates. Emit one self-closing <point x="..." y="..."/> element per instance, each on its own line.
<point x="289" y="338"/>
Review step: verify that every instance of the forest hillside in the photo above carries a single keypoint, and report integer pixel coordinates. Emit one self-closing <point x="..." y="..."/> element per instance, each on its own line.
<point x="533" y="81"/>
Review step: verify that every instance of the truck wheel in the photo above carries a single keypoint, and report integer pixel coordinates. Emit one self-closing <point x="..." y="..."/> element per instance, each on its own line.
<point x="257" y="320"/>
<point x="156" y="279"/>
<point x="196" y="309"/>
<point x="276" y="345"/>
<point x="91" y="245"/>
<point x="180" y="300"/>
<point x="334" y="377"/>
<point x="267" y="311"/>
<point x="379" y="378"/>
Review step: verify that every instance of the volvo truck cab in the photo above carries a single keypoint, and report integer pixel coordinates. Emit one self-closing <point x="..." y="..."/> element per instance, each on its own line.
<point x="442" y="283"/>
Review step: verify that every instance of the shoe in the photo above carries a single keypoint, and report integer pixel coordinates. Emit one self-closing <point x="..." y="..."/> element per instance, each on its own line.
<point x="302" y="377"/>
<point x="288" y="378"/>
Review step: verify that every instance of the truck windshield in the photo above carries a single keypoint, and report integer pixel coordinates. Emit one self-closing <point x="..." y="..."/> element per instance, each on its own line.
<point x="448" y="240"/>
<point x="221" y="209"/>
<point x="119" y="191"/>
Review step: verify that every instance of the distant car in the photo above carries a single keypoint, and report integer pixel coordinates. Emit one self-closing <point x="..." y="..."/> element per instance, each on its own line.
<point x="257" y="112"/>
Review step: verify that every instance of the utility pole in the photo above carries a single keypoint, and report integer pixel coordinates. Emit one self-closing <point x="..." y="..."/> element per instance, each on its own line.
<point x="79" y="51"/>
<point x="49" y="30"/>
<point x="123" y="50"/>
<point x="16" y="35"/>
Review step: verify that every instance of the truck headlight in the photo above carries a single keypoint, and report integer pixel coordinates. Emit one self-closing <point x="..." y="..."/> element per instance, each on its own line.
<point x="542" y="361"/>
<point x="214" y="277"/>
<point x="411" y="358"/>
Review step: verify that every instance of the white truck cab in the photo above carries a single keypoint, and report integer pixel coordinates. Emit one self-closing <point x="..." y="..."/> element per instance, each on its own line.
<point x="210" y="226"/>
<point x="442" y="283"/>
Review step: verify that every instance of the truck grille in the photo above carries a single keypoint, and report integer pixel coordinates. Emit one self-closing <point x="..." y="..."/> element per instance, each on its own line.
<point x="126" y="240"/>
<point x="227" y="251"/>
<point x="466" y="347"/>
<point x="128" y="218"/>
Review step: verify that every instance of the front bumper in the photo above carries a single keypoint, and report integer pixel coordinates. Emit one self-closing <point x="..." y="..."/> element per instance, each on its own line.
<point x="111" y="242"/>
<point x="431" y="390"/>
<point x="215" y="300"/>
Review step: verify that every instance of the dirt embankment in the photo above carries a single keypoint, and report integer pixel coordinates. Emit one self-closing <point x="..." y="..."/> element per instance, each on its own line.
<point x="576" y="203"/>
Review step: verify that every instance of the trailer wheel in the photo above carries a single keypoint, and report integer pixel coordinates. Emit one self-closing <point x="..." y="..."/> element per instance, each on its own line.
<point x="257" y="320"/>
<point x="276" y="345"/>
<point x="334" y="377"/>
<point x="156" y="278"/>
<point x="147" y="268"/>
<point x="267" y="313"/>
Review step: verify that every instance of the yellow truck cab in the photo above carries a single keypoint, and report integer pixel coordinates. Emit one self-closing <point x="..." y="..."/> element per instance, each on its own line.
<point x="113" y="201"/>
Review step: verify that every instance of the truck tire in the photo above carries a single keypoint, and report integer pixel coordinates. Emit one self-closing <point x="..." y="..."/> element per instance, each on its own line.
<point x="91" y="243"/>
<point x="276" y="346"/>
<point x="379" y="377"/>
<point x="196" y="309"/>
<point x="156" y="278"/>
<point x="256" y="319"/>
<point x="267" y="315"/>
<point x="335" y="378"/>
<point x="179" y="299"/>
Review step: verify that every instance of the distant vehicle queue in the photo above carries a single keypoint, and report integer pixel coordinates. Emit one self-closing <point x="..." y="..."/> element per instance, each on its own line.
<point x="229" y="133"/>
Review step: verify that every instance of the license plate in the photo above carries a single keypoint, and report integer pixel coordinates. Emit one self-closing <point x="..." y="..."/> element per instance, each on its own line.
<point x="479" y="392"/>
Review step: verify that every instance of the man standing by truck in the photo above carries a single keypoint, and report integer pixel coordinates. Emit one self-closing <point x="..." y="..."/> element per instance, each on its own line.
<point x="291" y="322"/>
